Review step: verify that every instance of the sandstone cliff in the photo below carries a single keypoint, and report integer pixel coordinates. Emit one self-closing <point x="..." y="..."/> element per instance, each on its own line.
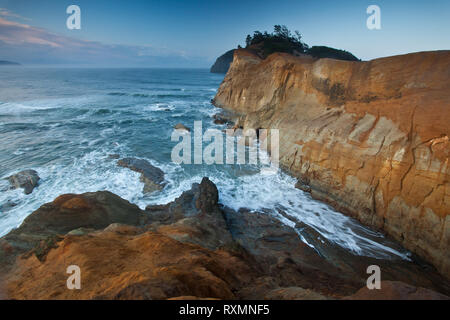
<point x="371" y="138"/>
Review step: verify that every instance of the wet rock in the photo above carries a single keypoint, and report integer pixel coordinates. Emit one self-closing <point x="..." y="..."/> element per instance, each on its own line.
<point x="223" y="117"/>
<point x="27" y="180"/>
<point x="114" y="156"/>
<point x="395" y="290"/>
<point x="151" y="176"/>
<point x="182" y="127"/>
<point x="194" y="217"/>
<point x="303" y="186"/>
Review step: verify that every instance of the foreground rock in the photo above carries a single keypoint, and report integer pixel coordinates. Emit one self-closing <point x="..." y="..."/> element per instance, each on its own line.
<point x="371" y="138"/>
<point x="190" y="248"/>
<point x="27" y="180"/>
<point x="151" y="176"/>
<point x="395" y="290"/>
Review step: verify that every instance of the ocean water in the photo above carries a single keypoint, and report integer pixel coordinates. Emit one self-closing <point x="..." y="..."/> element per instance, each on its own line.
<point x="64" y="123"/>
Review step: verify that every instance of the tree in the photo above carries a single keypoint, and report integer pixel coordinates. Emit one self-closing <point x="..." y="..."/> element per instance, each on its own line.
<point x="248" y="40"/>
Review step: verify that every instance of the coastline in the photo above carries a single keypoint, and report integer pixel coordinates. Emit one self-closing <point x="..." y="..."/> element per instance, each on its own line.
<point x="367" y="137"/>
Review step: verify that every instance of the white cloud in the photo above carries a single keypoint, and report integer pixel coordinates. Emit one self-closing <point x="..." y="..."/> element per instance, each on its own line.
<point x="8" y="14"/>
<point x="31" y="45"/>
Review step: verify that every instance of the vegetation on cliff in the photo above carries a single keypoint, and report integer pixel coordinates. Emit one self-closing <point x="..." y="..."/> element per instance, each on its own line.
<point x="283" y="40"/>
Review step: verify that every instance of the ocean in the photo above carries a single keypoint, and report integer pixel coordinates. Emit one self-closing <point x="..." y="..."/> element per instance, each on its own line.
<point x="64" y="123"/>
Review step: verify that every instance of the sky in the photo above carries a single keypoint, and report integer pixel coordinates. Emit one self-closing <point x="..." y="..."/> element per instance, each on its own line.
<point x="174" y="33"/>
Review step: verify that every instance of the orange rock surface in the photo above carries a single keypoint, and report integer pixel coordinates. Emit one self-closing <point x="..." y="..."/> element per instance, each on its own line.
<point x="371" y="138"/>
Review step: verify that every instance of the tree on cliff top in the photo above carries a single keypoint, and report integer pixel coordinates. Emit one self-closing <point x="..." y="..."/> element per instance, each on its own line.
<point x="281" y="40"/>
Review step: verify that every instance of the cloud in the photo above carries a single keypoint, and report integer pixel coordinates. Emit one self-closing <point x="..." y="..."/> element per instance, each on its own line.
<point x="31" y="45"/>
<point x="8" y="14"/>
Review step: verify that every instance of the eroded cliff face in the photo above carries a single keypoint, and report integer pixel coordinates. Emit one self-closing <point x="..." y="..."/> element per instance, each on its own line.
<point x="371" y="138"/>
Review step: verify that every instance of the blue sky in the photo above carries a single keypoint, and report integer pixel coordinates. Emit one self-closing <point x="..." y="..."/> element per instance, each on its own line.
<point x="193" y="33"/>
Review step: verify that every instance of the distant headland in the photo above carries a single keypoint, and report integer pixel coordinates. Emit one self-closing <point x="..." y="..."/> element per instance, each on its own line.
<point x="9" y="63"/>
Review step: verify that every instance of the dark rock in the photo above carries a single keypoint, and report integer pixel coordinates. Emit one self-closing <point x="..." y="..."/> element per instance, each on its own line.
<point x="196" y="212"/>
<point x="302" y="186"/>
<point x="280" y="253"/>
<point x="27" y="180"/>
<point x="151" y="176"/>
<point x="223" y="118"/>
<point x="114" y="156"/>
<point x="223" y="63"/>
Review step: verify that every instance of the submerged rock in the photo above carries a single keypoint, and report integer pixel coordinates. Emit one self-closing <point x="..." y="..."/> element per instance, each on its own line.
<point x="151" y="176"/>
<point x="27" y="180"/>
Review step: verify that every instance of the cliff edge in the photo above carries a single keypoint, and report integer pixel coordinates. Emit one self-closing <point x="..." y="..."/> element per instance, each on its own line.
<point x="371" y="138"/>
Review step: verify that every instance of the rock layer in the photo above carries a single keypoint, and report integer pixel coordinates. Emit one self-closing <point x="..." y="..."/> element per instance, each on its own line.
<point x="371" y="138"/>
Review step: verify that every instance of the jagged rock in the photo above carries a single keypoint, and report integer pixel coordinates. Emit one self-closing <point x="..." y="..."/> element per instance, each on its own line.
<point x="27" y="180"/>
<point x="151" y="176"/>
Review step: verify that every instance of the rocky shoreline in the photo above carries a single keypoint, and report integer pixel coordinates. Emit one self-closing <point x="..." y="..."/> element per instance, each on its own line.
<point x="190" y="248"/>
<point x="369" y="138"/>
